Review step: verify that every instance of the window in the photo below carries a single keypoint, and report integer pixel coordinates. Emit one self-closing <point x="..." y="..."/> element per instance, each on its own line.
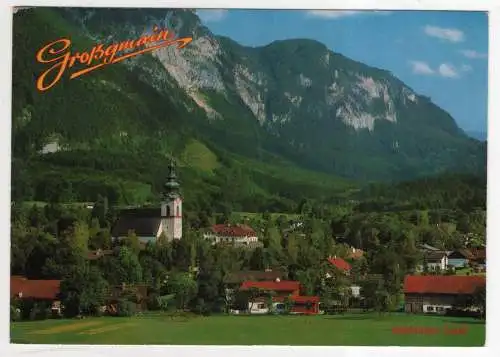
<point x="430" y="308"/>
<point x="261" y="306"/>
<point x="178" y="211"/>
<point x="168" y="211"/>
<point x="280" y="306"/>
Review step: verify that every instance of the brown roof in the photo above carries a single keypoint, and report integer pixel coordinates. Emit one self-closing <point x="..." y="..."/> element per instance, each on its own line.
<point x="442" y="284"/>
<point x="436" y="255"/>
<point x="355" y="253"/>
<point x="463" y="252"/>
<point x="34" y="289"/>
<point x="477" y="253"/>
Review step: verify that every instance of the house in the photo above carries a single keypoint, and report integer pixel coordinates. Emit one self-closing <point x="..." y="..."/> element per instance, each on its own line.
<point x="239" y="234"/>
<point x="459" y="258"/>
<point x="355" y="253"/>
<point x="427" y="247"/>
<point x="478" y="257"/>
<point x="149" y="224"/>
<point x="344" y="267"/>
<point x="340" y="264"/>
<point x="277" y="292"/>
<point x="438" y="293"/>
<point x="39" y="290"/>
<point x="235" y="279"/>
<point x="434" y="260"/>
<point x="99" y="253"/>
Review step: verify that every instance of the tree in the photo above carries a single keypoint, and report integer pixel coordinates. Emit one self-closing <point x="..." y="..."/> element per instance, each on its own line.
<point x="184" y="287"/>
<point x="132" y="241"/>
<point x="129" y="262"/>
<point x="382" y="298"/>
<point x="83" y="291"/>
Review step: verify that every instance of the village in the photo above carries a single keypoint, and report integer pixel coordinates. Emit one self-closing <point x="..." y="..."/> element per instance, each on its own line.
<point x="442" y="283"/>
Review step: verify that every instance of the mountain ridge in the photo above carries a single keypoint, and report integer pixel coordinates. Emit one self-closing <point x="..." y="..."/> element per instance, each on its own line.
<point x="254" y="103"/>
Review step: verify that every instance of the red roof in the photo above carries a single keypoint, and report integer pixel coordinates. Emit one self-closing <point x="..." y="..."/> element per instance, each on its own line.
<point x="35" y="289"/>
<point x="340" y="263"/>
<point x="283" y="285"/>
<point x="442" y="284"/>
<point x="304" y="299"/>
<point x="239" y="230"/>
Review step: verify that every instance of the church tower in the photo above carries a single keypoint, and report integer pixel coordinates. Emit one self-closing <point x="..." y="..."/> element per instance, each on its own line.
<point x="171" y="206"/>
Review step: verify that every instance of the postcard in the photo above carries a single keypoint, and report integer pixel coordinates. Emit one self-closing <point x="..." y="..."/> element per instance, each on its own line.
<point x="248" y="177"/>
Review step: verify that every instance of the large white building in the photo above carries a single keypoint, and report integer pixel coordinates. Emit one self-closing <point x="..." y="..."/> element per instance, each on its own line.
<point x="238" y="234"/>
<point x="149" y="224"/>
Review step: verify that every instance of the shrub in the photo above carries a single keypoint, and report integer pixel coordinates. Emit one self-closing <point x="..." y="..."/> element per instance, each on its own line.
<point x="15" y="313"/>
<point x="125" y="308"/>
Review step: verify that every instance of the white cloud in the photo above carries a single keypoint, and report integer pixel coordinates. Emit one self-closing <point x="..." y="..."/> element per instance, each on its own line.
<point x="420" y="67"/>
<point x="447" y="70"/>
<point x="465" y="68"/>
<point x="211" y="15"/>
<point x="473" y="54"/>
<point x="335" y="14"/>
<point x="448" y="34"/>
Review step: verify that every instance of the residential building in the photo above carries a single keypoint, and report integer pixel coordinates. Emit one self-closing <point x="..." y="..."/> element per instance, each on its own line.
<point x="355" y="253"/>
<point x="99" y="253"/>
<point x="459" y="258"/>
<point x="239" y="234"/>
<point x="438" y="293"/>
<point x="427" y="247"/>
<point x="434" y="260"/>
<point x="340" y="264"/>
<point x="346" y="268"/>
<point x="478" y="257"/>
<point x="149" y="224"/>
<point x="278" y="291"/>
<point x="38" y="290"/>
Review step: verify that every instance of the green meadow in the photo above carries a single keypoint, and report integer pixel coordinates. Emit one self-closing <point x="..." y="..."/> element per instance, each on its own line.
<point x="326" y="330"/>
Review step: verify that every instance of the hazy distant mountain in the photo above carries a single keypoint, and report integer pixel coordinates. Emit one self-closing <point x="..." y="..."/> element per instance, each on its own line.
<point x="479" y="135"/>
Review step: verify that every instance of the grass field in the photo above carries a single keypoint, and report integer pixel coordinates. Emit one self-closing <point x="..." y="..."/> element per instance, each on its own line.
<point x="344" y="330"/>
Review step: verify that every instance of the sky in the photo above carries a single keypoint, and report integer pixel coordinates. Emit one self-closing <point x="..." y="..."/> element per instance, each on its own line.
<point x="439" y="54"/>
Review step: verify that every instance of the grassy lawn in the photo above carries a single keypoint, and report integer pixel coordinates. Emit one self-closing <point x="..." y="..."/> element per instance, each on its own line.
<point x="346" y="330"/>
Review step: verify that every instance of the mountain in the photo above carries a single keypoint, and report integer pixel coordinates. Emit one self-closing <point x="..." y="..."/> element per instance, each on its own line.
<point x="272" y="124"/>
<point x="478" y="135"/>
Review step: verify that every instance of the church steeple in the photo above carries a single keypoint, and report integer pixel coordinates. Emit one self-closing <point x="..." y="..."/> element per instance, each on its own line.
<point x="171" y="186"/>
<point x="171" y="206"/>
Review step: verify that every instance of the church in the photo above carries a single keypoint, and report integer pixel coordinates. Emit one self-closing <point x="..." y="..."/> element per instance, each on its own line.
<point x="148" y="224"/>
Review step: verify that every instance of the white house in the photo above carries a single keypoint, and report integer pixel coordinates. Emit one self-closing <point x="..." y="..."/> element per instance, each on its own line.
<point x="434" y="260"/>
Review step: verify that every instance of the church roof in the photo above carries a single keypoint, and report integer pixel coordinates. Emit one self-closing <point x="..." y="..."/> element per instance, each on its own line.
<point x="145" y="222"/>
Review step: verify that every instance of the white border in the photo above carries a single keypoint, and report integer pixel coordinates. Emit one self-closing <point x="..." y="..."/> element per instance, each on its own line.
<point x="493" y="229"/>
